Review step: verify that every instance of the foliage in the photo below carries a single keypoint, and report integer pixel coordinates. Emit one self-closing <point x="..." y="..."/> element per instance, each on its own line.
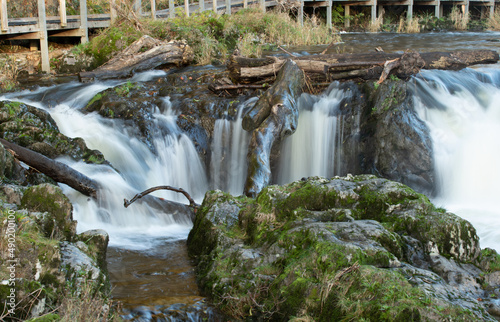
<point x="493" y="22"/>
<point x="460" y="20"/>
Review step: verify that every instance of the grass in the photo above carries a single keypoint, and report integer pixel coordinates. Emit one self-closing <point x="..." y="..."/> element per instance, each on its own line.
<point x="460" y="20"/>
<point x="493" y="22"/>
<point x="213" y="37"/>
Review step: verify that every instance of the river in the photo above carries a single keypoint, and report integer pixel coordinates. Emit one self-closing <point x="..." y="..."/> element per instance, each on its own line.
<point x="149" y="268"/>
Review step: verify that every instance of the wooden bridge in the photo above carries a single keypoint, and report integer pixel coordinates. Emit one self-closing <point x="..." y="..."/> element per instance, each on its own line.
<point x="41" y="27"/>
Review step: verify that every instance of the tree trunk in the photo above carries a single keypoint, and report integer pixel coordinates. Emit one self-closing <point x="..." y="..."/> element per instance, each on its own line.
<point x="58" y="171"/>
<point x="144" y="54"/>
<point x="273" y="117"/>
<point x="367" y="65"/>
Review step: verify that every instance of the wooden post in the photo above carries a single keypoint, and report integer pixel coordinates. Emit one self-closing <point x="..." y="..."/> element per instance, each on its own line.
<point x="409" y="13"/>
<point x="171" y="8"/>
<point x="214" y="6"/>
<point x="374" y="11"/>
<point x="300" y="13"/>
<point x="186" y="7"/>
<point x="153" y="9"/>
<point x="44" y="42"/>
<point x="3" y="15"/>
<point x="437" y="9"/>
<point x="263" y="5"/>
<point x="138" y="7"/>
<point x="329" y="14"/>
<point x="112" y="10"/>
<point x="228" y="7"/>
<point x="492" y="8"/>
<point x="202" y="5"/>
<point x="347" y="16"/>
<point x="62" y="13"/>
<point x="84" y="28"/>
<point x="245" y="4"/>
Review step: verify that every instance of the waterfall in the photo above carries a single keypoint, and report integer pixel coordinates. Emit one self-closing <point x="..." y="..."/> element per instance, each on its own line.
<point x="310" y="151"/>
<point x="229" y="153"/>
<point x="134" y="166"/>
<point x="462" y="110"/>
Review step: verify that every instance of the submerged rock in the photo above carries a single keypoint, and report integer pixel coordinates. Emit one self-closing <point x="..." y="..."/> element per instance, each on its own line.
<point x="340" y="248"/>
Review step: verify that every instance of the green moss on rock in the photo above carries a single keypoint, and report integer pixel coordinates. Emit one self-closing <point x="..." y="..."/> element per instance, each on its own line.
<point x="56" y="216"/>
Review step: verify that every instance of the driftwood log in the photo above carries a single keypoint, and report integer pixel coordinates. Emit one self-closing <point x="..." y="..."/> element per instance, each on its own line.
<point x="347" y="66"/>
<point x="58" y="171"/>
<point x="273" y="117"/>
<point x="144" y="54"/>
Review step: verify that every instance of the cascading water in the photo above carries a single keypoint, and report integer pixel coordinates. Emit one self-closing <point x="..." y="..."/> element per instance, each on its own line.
<point x="462" y="110"/>
<point x="229" y="153"/>
<point x="139" y="234"/>
<point x="310" y="151"/>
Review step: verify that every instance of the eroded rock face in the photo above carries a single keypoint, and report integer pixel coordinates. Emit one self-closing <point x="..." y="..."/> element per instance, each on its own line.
<point x="396" y="143"/>
<point x="338" y="248"/>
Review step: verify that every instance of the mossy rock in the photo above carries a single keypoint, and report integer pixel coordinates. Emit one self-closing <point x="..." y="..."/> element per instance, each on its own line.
<point x="55" y="212"/>
<point x="327" y="249"/>
<point x="36" y="130"/>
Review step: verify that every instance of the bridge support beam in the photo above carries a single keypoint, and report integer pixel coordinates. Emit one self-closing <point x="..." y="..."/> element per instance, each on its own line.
<point x="300" y="12"/>
<point x="329" y="14"/>
<point x="347" y="16"/>
<point x="84" y="27"/>
<point x="44" y="42"/>
<point x="374" y="11"/>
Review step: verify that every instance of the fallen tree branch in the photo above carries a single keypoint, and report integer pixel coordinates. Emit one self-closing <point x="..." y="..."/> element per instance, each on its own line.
<point x="138" y="196"/>
<point x="326" y="67"/>
<point x="58" y="171"/>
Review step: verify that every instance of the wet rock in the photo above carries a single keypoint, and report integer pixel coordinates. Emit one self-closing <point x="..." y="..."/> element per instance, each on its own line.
<point x="396" y="143"/>
<point x="375" y="245"/>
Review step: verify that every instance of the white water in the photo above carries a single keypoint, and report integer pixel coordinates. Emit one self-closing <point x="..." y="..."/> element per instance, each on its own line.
<point x="310" y="151"/>
<point x="176" y="163"/>
<point x="462" y="110"/>
<point x="229" y="153"/>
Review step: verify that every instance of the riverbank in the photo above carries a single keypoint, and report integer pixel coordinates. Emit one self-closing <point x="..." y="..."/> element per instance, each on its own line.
<point x="214" y="37"/>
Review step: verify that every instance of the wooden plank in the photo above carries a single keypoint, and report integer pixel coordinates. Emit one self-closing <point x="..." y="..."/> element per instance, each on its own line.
<point x="44" y="43"/>
<point x="62" y="13"/>
<point x="153" y="9"/>
<point x="67" y="33"/>
<point x="84" y="28"/>
<point x="3" y="15"/>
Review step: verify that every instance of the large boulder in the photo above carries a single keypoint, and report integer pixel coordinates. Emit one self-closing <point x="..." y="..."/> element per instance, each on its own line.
<point x="340" y="248"/>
